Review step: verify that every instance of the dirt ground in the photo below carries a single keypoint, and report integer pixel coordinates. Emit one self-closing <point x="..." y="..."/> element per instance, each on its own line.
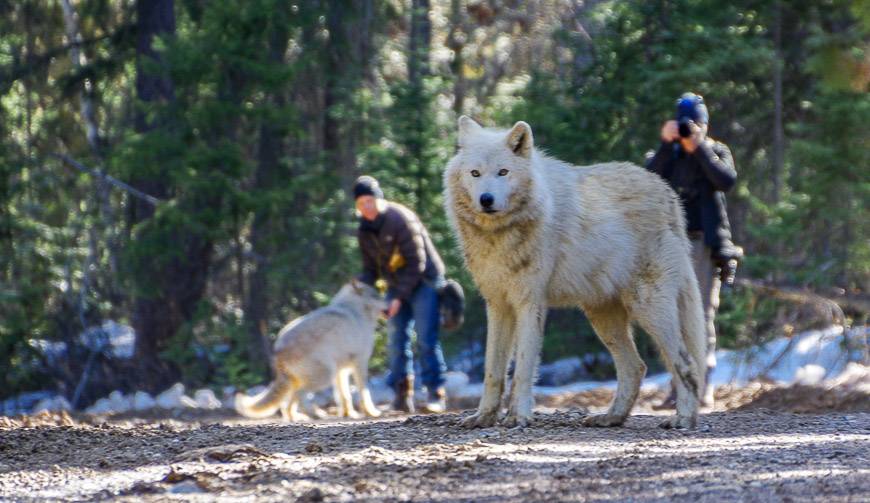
<point x="746" y="453"/>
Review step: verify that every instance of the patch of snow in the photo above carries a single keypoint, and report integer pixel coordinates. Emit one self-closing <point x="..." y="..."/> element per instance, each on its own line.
<point x="54" y="404"/>
<point x="119" y="403"/>
<point x="454" y="382"/>
<point x="810" y="374"/>
<point x="23" y="403"/>
<point x="174" y="398"/>
<point x="206" y="399"/>
<point x="143" y="401"/>
<point x="809" y="357"/>
<point x="100" y="407"/>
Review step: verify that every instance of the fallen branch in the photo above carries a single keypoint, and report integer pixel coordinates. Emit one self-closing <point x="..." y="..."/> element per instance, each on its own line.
<point x="108" y="178"/>
<point x="852" y="303"/>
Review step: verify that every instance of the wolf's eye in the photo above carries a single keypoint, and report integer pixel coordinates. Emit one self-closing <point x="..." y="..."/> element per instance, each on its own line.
<point x="502" y="172"/>
<point x="475" y="173"/>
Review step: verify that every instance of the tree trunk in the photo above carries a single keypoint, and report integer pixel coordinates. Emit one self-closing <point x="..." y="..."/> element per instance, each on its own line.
<point x="78" y="59"/>
<point x="270" y="151"/>
<point x="157" y="315"/>
<point x="347" y="64"/>
<point x="778" y="135"/>
<point x="101" y="188"/>
<point x="419" y="41"/>
<point x="456" y="39"/>
<point x="348" y="55"/>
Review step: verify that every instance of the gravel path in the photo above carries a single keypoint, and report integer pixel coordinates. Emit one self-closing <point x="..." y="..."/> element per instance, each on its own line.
<point x="751" y="455"/>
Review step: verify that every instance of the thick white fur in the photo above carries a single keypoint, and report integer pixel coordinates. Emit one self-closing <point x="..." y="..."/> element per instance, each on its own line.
<point x="608" y="238"/>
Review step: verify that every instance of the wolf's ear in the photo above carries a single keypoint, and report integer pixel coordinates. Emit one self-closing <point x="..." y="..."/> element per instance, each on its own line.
<point x="355" y="283"/>
<point x="519" y="139"/>
<point x="467" y="126"/>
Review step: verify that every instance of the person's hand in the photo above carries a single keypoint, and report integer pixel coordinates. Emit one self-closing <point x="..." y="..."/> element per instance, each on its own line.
<point x="393" y="310"/>
<point x="670" y="131"/>
<point x="691" y="143"/>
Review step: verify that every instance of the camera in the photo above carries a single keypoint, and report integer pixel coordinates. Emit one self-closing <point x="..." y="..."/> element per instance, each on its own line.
<point x="683" y="127"/>
<point x="726" y="258"/>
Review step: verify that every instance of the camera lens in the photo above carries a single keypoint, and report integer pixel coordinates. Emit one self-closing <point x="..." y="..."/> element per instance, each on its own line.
<point x="684" y="130"/>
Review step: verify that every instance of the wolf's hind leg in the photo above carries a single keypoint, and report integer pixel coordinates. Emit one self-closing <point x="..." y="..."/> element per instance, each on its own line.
<point x="614" y="329"/>
<point x="660" y="319"/>
<point x="311" y="409"/>
<point x="290" y="409"/>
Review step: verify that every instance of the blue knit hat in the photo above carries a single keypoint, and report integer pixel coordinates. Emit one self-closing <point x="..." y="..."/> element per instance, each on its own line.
<point x="691" y="106"/>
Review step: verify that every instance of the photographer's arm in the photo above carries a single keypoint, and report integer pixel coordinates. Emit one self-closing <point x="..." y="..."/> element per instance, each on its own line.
<point x="658" y="162"/>
<point x="717" y="163"/>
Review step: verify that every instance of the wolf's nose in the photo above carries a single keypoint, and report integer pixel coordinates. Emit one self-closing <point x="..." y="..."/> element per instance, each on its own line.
<point x="486" y="200"/>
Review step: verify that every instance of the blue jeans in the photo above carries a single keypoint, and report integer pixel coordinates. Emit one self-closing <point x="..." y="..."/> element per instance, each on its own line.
<point x="421" y="314"/>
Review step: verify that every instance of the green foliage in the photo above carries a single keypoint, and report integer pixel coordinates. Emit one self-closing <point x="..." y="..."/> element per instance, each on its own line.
<point x="212" y="350"/>
<point x="745" y="319"/>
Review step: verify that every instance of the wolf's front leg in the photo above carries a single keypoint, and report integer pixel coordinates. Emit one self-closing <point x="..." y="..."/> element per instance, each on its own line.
<point x="499" y="341"/>
<point x="530" y="333"/>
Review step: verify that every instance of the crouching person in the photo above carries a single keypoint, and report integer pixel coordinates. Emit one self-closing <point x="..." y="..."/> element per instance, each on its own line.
<point x="397" y="249"/>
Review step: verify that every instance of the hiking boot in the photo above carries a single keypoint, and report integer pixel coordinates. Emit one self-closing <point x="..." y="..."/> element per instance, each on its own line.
<point x="437" y="402"/>
<point x="404" y="399"/>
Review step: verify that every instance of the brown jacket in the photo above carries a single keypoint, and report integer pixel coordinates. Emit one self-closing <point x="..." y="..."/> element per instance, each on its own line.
<point x="397" y="248"/>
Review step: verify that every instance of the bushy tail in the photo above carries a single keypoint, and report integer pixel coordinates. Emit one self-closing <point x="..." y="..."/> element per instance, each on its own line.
<point x="266" y="403"/>
<point x="692" y="327"/>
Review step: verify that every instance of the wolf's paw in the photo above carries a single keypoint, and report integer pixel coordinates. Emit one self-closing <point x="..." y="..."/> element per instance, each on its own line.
<point x="318" y="413"/>
<point x="479" y="420"/>
<point x="679" y="422"/>
<point x="603" y="420"/>
<point x="352" y="414"/>
<point x="373" y="413"/>
<point x="294" y="417"/>
<point x="512" y="420"/>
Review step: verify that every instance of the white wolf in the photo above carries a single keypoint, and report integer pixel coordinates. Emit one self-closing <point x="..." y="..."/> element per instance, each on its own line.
<point x="320" y="349"/>
<point x="609" y="238"/>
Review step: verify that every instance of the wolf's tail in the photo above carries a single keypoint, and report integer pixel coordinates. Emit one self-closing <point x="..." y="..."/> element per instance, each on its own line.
<point x="692" y="328"/>
<point x="266" y="403"/>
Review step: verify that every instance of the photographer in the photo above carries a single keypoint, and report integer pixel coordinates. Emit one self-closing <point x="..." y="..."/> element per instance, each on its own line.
<point x="700" y="170"/>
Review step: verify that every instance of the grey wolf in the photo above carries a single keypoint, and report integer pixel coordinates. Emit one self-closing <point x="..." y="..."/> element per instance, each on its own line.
<point x="610" y="238"/>
<point x="320" y="349"/>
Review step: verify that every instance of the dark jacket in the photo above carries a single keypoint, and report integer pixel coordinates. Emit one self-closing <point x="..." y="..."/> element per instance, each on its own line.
<point x="396" y="247"/>
<point x="701" y="180"/>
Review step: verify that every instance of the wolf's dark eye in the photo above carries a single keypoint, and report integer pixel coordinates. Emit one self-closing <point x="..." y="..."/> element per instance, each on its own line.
<point x="475" y="173"/>
<point x="502" y="172"/>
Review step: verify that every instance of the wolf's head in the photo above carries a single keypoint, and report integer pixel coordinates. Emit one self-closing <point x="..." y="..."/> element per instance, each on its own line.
<point x="363" y="295"/>
<point x="491" y="174"/>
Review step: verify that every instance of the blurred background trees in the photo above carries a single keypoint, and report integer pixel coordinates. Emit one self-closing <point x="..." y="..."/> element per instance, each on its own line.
<point x="248" y="121"/>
